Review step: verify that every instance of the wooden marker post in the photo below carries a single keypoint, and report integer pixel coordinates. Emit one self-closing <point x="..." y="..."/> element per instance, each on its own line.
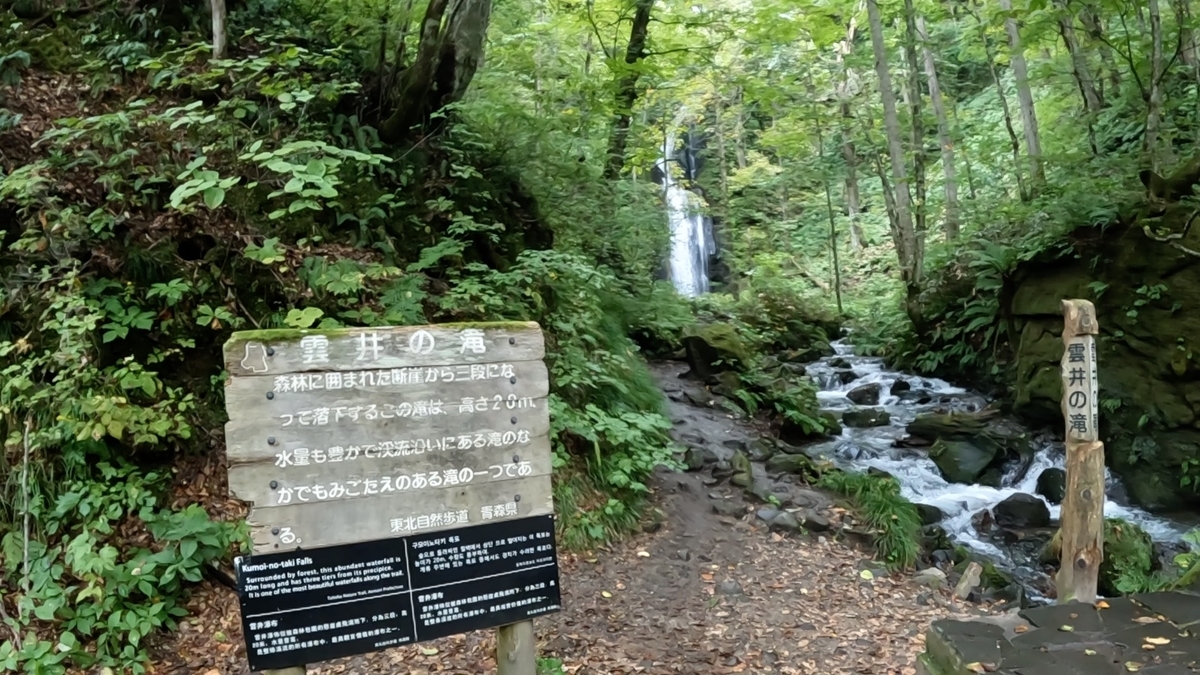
<point x="1082" y="516"/>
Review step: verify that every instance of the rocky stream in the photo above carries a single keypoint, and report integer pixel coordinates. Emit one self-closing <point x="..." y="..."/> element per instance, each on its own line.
<point x="989" y="483"/>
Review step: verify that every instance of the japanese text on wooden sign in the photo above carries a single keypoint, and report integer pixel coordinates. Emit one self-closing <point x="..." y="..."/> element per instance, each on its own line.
<point x="356" y="434"/>
<point x="389" y="468"/>
<point x="1080" y="404"/>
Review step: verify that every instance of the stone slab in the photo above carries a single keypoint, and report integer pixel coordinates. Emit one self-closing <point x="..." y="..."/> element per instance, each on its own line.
<point x="1151" y="635"/>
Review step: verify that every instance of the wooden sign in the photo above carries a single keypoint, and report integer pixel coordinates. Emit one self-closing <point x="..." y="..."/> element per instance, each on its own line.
<point x="1082" y="514"/>
<point x="387" y="435"/>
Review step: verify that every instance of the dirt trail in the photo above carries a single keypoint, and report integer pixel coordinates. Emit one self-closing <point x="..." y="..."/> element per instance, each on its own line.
<point x="713" y="590"/>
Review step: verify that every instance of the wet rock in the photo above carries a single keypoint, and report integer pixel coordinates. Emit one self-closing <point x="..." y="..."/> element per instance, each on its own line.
<point x="899" y="387"/>
<point x="786" y="522"/>
<point x="694" y="459"/>
<point x="783" y="463"/>
<point x="969" y="582"/>
<point x="815" y="522"/>
<point x="809" y="499"/>
<point x="868" y="394"/>
<point x="1021" y="511"/>
<point x="741" y="479"/>
<point x="846" y="376"/>
<point x="726" y="384"/>
<point x="741" y="463"/>
<point x="726" y="507"/>
<point x="993" y="477"/>
<point x="932" y="577"/>
<point x="760" y="450"/>
<point x="729" y="587"/>
<point x="929" y="514"/>
<point x="1052" y="484"/>
<point x="767" y="515"/>
<point x="866" y="417"/>
<point x="722" y="469"/>
<point x="983" y="521"/>
<point x="683" y="554"/>
<point x="734" y="444"/>
<point x="839" y="362"/>
<point x="879" y="473"/>
<point x="961" y="461"/>
<point x="934" y="538"/>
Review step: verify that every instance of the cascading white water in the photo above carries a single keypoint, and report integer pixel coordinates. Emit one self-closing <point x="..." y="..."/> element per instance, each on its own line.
<point x="919" y="478"/>
<point x="691" y="231"/>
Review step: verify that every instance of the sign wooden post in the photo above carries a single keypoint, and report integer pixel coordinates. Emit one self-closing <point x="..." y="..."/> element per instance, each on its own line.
<point x="400" y="489"/>
<point x="1082" y="515"/>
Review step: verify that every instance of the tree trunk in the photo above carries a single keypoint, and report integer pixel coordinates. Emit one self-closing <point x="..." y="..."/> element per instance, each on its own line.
<point x="1154" y="114"/>
<point x="1092" y="102"/>
<point x="1007" y="110"/>
<point x="1092" y="24"/>
<point x="719" y="113"/>
<point x="903" y="232"/>
<point x="218" y="28"/>
<point x="1033" y="142"/>
<point x="853" y="200"/>
<point x="449" y="52"/>
<point x="917" y="121"/>
<point x="627" y="92"/>
<point x="1187" y="37"/>
<point x="739" y="129"/>
<point x="950" y="179"/>
<point x="1083" y="73"/>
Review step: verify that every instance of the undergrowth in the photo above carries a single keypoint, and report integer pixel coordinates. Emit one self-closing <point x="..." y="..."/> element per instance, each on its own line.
<point x="893" y="518"/>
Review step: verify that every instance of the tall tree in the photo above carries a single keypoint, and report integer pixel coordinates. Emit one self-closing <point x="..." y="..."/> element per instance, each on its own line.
<point x="1093" y="25"/>
<point x="908" y="247"/>
<point x="950" y="179"/>
<point x="1033" y="141"/>
<point x="1092" y="102"/>
<point x="1154" y="112"/>
<point x="845" y="92"/>
<point x="916" y="119"/>
<point x="626" y="88"/>
<point x="1005" y="108"/>
<point x="449" y="52"/>
<point x="217" y="8"/>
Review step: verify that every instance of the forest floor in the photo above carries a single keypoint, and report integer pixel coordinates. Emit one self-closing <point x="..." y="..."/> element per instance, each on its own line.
<point x="711" y="590"/>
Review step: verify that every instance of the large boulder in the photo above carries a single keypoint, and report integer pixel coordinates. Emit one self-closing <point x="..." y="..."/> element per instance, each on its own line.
<point x="866" y="417"/>
<point x="961" y="461"/>
<point x="867" y="394"/>
<point x="1021" y="511"/>
<point x="713" y="348"/>
<point x="1052" y="484"/>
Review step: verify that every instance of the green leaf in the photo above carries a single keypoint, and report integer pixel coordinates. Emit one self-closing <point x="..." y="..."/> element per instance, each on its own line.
<point x="214" y="197"/>
<point x="305" y="318"/>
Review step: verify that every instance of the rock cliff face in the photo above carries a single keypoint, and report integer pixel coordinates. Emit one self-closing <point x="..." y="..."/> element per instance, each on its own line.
<point x="1147" y="297"/>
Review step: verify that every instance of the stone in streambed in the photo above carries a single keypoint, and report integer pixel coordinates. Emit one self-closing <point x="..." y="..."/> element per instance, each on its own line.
<point x="899" y="387"/>
<point x="969" y="582"/>
<point x="741" y="479"/>
<point x="866" y="417"/>
<point x="961" y="461"/>
<point x="693" y="459"/>
<point x="1052" y="484"/>
<point x="839" y="362"/>
<point x="760" y="450"/>
<point x="846" y="376"/>
<point x="783" y="463"/>
<point x="931" y="577"/>
<point x="1021" y="511"/>
<point x="868" y="394"/>
<point x="930" y="515"/>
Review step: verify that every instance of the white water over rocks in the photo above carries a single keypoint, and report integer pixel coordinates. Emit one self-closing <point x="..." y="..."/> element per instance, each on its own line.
<point x="691" y="230"/>
<point x="920" y="480"/>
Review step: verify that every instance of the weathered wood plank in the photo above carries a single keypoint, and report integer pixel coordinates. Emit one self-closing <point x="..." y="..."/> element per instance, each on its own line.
<point x="277" y="352"/>
<point x="266" y="483"/>
<point x="1082" y="514"/>
<point x="252" y="439"/>
<point x="267" y="397"/>
<point x="516" y="649"/>
<point x="282" y="528"/>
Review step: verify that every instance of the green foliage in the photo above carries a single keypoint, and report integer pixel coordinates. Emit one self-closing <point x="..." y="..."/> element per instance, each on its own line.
<point x="103" y="598"/>
<point x="893" y="518"/>
<point x="1129" y="565"/>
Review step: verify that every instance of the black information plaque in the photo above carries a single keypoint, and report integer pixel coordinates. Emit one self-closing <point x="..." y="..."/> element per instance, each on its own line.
<point x="308" y="606"/>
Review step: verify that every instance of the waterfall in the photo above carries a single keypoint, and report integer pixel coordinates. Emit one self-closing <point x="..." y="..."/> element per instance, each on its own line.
<point x="691" y="230"/>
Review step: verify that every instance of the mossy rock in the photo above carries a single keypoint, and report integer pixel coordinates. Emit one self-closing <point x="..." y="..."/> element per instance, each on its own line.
<point x="713" y="348"/>
<point x="961" y="461"/>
